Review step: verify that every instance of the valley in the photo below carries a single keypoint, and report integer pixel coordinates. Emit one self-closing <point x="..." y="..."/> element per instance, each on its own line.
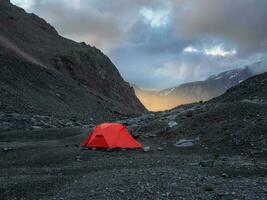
<point x="199" y="140"/>
<point x="224" y="158"/>
<point x="194" y="92"/>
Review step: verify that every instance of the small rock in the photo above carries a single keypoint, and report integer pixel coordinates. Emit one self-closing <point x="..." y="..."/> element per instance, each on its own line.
<point x="216" y="156"/>
<point x="172" y="124"/>
<point x="121" y="191"/>
<point x="173" y="184"/>
<point x="160" y="149"/>
<point x="152" y="135"/>
<point x="189" y="114"/>
<point x="5" y="126"/>
<point x="78" y="158"/>
<point x="146" y="149"/>
<point x="185" y="143"/>
<point x="206" y="163"/>
<point x="110" y="149"/>
<point x="220" y="194"/>
<point x="5" y="149"/>
<point x="36" y="127"/>
<point x="209" y="189"/>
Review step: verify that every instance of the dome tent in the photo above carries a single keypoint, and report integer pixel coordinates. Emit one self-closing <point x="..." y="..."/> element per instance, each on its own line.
<point x="110" y="135"/>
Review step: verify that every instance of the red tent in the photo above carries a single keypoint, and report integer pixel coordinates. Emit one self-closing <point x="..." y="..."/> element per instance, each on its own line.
<point x="110" y="135"/>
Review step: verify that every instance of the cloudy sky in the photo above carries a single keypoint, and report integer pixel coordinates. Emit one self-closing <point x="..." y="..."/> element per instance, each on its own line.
<point x="161" y="43"/>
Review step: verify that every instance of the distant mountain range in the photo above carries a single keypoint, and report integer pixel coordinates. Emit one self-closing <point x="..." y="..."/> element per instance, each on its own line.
<point x="191" y="92"/>
<point x="43" y="73"/>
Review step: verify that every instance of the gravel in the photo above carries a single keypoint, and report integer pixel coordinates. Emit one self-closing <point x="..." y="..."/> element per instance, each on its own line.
<point x="57" y="168"/>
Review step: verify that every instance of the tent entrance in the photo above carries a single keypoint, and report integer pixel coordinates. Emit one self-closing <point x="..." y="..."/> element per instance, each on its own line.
<point x="99" y="141"/>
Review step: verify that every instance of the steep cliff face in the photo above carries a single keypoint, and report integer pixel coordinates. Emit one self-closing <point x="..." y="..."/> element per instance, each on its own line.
<point x="26" y="38"/>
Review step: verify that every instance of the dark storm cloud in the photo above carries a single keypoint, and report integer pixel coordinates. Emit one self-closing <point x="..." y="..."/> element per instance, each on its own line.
<point x="146" y="39"/>
<point x="81" y="21"/>
<point x="242" y="22"/>
<point x="159" y="40"/>
<point x="159" y="71"/>
<point x="102" y="23"/>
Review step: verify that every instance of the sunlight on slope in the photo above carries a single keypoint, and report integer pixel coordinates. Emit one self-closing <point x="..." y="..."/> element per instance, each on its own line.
<point x="154" y="102"/>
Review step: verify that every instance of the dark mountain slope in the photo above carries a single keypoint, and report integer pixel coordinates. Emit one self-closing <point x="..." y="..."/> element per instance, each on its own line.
<point x="211" y="87"/>
<point x="34" y="59"/>
<point x="233" y="122"/>
<point x="26" y="88"/>
<point x="254" y="88"/>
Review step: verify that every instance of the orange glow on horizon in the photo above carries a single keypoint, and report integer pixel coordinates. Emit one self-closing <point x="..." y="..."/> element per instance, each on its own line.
<point x="154" y="102"/>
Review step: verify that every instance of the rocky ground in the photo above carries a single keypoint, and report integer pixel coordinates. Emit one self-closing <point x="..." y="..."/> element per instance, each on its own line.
<point x="49" y="164"/>
<point x="14" y="121"/>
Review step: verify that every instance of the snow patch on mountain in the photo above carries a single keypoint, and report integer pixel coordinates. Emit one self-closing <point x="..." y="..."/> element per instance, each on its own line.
<point x="219" y="77"/>
<point x="169" y="91"/>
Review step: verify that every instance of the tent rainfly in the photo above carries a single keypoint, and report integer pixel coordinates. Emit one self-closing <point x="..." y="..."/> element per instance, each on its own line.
<point x="110" y="135"/>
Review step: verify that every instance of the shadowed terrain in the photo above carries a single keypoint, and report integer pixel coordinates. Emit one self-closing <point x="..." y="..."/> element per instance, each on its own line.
<point x="213" y="150"/>
<point x="50" y="165"/>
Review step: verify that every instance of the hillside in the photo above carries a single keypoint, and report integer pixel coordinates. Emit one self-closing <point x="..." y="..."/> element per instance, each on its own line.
<point x="44" y="73"/>
<point x="212" y="86"/>
<point x="254" y="89"/>
<point x="234" y="122"/>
